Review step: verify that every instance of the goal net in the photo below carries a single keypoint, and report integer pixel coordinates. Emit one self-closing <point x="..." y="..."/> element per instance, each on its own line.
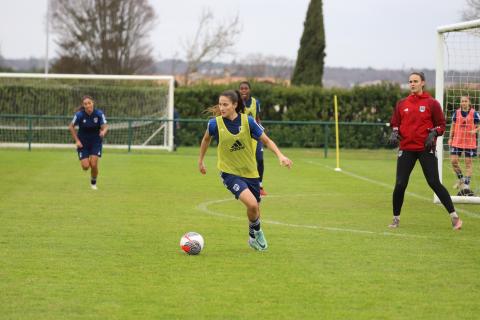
<point x="458" y="89"/>
<point x="35" y="109"/>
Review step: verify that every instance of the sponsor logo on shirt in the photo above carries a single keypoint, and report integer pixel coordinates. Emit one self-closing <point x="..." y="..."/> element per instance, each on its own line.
<point x="405" y="110"/>
<point x="95" y="119"/>
<point x="237" y="145"/>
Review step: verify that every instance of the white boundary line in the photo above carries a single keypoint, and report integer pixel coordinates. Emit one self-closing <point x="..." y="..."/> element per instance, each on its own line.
<point x="204" y="208"/>
<point x="379" y="183"/>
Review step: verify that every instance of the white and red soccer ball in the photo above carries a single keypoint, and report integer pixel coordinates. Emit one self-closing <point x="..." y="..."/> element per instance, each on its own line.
<point x="192" y="243"/>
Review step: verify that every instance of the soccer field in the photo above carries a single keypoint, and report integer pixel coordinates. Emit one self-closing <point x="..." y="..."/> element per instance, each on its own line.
<point x="68" y="252"/>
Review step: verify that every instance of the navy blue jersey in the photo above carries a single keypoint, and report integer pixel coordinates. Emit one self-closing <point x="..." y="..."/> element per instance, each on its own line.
<point x="233" y="127"/>
<point x="89" y="125"/>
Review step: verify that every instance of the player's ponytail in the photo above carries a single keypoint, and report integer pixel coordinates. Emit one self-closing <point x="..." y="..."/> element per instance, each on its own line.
<point x="80" y="108"/>
<point x="214" y="111"/>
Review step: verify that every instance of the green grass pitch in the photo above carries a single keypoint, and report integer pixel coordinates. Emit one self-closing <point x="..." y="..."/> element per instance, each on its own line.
<point x="68" y="252"/>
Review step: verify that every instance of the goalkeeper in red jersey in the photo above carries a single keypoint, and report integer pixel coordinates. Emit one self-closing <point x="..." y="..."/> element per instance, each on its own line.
<point x="417" y="121"/>
<point x="463" y="139"/>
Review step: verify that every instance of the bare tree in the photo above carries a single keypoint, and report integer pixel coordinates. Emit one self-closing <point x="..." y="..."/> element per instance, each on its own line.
<point x="103" y="36"/>
<point x="259" y="65"/>
<point x="210" y="42"/>
<point x="472" y="12"/>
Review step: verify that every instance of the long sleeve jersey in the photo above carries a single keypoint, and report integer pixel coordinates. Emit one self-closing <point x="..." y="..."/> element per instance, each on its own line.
<point x="414" y="116"/>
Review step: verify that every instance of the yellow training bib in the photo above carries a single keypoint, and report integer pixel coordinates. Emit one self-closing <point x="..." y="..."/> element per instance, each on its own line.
<point x="235" y="152"/>
<point x="252" y="110"/>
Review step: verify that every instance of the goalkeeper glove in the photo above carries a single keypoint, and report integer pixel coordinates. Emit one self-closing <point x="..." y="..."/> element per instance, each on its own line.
<point x="430" y="141"/>
<point x="395" y="137"/>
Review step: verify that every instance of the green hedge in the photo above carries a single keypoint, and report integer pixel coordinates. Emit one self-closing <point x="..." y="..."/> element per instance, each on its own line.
<point x="373" y="104"/>
<point x="55" y="97"/>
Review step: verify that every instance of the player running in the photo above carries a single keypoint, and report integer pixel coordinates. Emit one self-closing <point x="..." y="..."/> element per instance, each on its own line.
<point x="235" y="131"/>
<point x="92" y="128"/>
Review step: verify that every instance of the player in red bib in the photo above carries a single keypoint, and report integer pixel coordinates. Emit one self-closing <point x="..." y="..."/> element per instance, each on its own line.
<point x="463" y="139"/>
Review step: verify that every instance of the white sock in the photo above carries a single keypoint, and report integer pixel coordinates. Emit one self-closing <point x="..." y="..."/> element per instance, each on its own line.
<point x="453" y="215"/>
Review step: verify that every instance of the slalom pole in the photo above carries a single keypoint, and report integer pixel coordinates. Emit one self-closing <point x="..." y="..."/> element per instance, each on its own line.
<point x="337" y="139"/>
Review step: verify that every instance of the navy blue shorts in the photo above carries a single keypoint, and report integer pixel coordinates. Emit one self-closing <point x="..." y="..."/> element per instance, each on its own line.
<point x="469" y="153"/>
<point x="237" y="184"/>
<point x="90" y="149"/>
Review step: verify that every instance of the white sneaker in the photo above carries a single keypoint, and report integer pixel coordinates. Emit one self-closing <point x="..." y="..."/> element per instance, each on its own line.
<point x="94" y="187"/>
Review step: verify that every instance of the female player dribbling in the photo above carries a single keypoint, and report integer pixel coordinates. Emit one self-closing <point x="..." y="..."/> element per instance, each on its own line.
<point x="235" y="131"/>
<point x="92" y="127"/>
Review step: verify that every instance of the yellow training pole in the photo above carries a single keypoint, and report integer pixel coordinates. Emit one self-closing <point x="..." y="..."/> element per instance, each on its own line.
<point x="337" y="139"/>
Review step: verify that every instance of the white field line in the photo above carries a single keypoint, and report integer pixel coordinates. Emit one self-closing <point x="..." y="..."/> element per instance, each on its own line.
<point x="382" y="184"/>
<point x="204" y="208"/>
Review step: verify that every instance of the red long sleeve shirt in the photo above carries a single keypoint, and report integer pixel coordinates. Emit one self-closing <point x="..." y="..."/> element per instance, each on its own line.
<point x="413" y="117"/>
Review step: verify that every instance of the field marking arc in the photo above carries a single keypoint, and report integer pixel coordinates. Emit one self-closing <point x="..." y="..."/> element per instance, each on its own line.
<point x="379" y="183"/>
<point x="203" y="207"/>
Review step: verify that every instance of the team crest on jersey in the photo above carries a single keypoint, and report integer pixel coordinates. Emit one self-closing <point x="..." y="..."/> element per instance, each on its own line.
<point x="400" y="152"/>
<point x="405" y="110"/>
<point x="95" y="119"/>
<point x="84" y="120"/>
<point x="422" y="108"/>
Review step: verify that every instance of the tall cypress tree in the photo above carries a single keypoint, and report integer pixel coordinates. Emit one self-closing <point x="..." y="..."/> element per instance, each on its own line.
<point x="309" y="65"/>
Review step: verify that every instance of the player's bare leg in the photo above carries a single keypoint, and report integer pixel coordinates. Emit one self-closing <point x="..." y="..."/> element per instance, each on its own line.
<point x="93" y="171"/>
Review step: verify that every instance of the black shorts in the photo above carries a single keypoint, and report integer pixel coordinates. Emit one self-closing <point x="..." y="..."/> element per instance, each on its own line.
<point x="469" y="153"/>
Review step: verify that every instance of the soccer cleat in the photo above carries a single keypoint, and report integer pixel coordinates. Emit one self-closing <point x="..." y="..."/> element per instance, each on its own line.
<point x="395" y="223"/>
<point x="93" y="186"/>
<point x="259" y="242"/>
<point x="460" y="184"/>
<point x="253" y="244"/>
<point x="457" y="223"/>
<point x="263" y="193"/>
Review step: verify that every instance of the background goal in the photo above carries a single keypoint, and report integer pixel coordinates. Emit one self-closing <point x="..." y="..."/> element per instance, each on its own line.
<point x="457" y="76"/>
<point x="35" y="109"/>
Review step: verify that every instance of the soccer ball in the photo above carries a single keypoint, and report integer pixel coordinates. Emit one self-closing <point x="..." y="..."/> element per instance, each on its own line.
<point x="192" y="243"/>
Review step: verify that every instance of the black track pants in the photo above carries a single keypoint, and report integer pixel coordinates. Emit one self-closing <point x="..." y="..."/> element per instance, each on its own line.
<point x="405" y="163"/>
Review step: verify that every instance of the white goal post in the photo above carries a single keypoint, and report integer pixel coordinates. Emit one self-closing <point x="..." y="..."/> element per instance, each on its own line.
<point x="35" y="109"/>
<point x="457" y="77"/>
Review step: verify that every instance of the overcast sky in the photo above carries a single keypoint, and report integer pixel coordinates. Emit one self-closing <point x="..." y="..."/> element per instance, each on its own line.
<point x="389" y="34"/>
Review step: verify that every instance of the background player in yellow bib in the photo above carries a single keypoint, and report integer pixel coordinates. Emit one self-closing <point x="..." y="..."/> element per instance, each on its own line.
<point x="463" y="139"/>
<point x="252" y="108"/>
<point x="235" y="132"/>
